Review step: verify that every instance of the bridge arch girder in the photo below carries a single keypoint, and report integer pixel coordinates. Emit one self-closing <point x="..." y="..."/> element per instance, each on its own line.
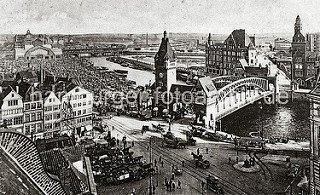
<point x="252" y="81"/>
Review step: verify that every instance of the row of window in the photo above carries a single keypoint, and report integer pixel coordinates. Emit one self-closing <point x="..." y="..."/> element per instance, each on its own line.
<point x="52" y="108"/>
<point x="76" y="97"/>
<point x="51" y="126"/>
<point x="81" y="120"/>
<point x="54" y="116"/>
<point x="33" y="117"/>
<point x="34" y="128"/>
<point x="15" y="121"/>
<point x="83" y="112"/>
<point x="12" y="111"/>
<point x="12" y="102"/>
<point x="45" y="57"/>
<point x="32" y="106"/>
<point x="81" y="104"/>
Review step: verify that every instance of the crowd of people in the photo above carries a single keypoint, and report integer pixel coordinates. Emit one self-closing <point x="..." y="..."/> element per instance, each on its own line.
<point x="81" y="71"/>
<point x="9" y="68"/>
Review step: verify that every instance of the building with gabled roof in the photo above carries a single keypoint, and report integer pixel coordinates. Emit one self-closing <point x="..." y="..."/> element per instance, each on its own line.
<point x="223" y="58"/>
<point x="76" y="110"/>
<point x="204" y="94"/>
<point x="11" y="109"/>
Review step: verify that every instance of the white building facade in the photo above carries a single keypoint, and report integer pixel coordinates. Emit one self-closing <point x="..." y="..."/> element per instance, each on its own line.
<point x="77" y="103"/>
<point x="52" y="115"/>
<point x="12" y="109"/>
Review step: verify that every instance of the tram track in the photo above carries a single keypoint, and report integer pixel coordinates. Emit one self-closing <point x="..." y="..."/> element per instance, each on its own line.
<point x="190" y="168"/>
<point x="266" y="170"/>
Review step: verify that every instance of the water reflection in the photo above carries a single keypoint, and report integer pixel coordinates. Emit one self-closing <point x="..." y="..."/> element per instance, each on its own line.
<point x="290" y="120"/>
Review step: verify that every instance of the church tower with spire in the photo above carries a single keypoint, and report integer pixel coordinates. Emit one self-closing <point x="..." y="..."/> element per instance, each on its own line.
<point x="298" y="49"/>
<point x="165" y="66"/>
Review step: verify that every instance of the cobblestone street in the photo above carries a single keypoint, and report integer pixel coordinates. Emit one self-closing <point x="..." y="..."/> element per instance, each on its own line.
<point x="219" y="153"/>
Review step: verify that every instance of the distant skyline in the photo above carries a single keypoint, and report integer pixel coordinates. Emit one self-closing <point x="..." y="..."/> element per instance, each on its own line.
<point x="155" y="16"/>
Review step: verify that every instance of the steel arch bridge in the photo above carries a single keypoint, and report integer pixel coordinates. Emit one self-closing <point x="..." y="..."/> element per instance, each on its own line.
<point x="232" y="96"/>
<point x="253" y="81"/>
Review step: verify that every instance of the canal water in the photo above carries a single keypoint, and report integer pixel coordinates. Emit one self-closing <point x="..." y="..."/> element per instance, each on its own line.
<point x="141" y="77"/>
<point x="288" y="120"/>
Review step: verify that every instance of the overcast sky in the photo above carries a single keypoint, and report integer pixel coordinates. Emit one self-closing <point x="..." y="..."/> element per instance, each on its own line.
<point x="155" y="16"/>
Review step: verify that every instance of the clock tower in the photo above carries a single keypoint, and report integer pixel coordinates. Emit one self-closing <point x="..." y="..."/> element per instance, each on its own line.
<point x="165" y="67"/>
<point x="298" y="49"/>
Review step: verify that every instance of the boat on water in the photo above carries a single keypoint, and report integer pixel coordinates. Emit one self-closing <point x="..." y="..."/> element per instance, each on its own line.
<point x="140" y="68"/>
<point x="131" y="82"/>
<point x="255" y="134"/>
<point x="125" y="64"/>
<point x="121" y="71"/>
<point x="102" y="68"/>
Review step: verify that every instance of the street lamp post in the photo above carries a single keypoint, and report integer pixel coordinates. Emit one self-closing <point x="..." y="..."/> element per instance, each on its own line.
<point x="150" y="177"/>
<point x="261" y="122"/>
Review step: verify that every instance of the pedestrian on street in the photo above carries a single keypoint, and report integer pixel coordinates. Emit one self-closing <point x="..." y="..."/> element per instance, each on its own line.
<point x="198" y="151"/>
<point x="155" y="162"/>
<point x="183" y="163"/>
<point x="237" y="159"/>
<point x="133" y="191"/>
<point x="162" y="163"/>
<point x="207" y="150"/>
<point x="173" y="186"/>
<point x="179" y="184"/>
<point x="229" y="160"/>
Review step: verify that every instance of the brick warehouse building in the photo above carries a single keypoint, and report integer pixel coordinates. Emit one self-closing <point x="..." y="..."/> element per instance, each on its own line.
<point x="224" y="58"/>
<point x="304" y="61"/>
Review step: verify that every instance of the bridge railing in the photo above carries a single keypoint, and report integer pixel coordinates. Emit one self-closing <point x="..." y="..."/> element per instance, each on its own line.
<point x="252" y="81"/>
<point x="222" y="114"/>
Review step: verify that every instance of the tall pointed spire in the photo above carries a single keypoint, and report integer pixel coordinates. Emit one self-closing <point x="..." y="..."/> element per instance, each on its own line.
<point x="165" y="51"/>
<point x="165" y="34"/>
<point x="298" y="36"/>
<point x="297" y="25"/>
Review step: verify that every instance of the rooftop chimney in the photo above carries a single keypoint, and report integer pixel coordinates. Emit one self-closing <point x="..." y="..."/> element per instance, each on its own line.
<point x="17" y="89"/>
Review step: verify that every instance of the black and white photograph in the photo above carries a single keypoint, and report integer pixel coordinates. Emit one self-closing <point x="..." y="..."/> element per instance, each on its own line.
<point x="160" y="97"/>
